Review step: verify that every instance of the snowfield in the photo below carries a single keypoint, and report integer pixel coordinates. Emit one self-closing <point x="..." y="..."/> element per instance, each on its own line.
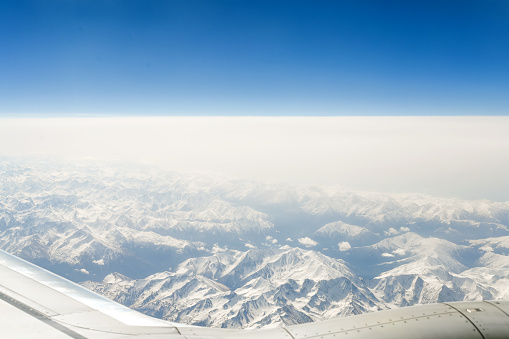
<point x="212" y="252"/>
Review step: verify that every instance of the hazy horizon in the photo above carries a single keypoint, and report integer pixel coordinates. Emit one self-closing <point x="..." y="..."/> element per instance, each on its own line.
<point x="399" y="97"/>
<point x="464" y="157"/>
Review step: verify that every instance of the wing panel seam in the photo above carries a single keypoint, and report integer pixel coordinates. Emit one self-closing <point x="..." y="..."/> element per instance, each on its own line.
<point x="493" y="304"/>
<point x="289" y="333"/>
<point x="470" y="320"/>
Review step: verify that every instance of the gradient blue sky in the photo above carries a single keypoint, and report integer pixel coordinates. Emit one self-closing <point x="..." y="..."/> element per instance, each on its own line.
<point x="191" y="57"/>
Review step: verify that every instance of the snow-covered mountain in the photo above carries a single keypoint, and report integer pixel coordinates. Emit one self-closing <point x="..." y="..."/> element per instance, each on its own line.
<point x="247" y="289"/>
<point x="248" y="254"/>
<point x="339" y="231"/>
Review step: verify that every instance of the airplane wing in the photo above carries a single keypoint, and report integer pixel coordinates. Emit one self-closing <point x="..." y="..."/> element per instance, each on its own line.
<point x="35" y="303"/>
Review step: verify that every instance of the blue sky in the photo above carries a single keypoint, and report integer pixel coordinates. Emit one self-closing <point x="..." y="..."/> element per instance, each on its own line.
<point x="72" y="58"/>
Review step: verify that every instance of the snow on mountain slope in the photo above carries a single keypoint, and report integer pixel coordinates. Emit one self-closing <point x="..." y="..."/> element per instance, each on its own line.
<point x="75" y="218"/>
<point x="451" y="219"/>
<point x="497" y="245"/>
<point x="421" y="253"/>
<point x="425" y="270"/>
<point x="410" y="253"/>
<point x="335" y="232"/>
<point x="492" y="274"/>
<point x="246" y="289"/>
<point x="238" y="254"/>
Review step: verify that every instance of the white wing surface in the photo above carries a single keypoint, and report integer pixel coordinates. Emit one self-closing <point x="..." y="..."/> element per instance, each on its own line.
<point x="35" y="303"/>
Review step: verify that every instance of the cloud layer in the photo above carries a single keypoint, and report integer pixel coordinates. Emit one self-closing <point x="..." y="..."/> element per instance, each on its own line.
<point x="450" y="156"/>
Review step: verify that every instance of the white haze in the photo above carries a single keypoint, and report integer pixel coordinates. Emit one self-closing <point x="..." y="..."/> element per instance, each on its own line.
<point x="466" y="157"/>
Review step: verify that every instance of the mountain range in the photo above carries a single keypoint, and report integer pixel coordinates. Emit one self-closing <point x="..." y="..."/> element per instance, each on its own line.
<point x="215" y="252"/>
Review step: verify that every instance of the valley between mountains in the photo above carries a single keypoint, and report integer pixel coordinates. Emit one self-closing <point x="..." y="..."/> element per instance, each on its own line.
<point x="242" y="254"/>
